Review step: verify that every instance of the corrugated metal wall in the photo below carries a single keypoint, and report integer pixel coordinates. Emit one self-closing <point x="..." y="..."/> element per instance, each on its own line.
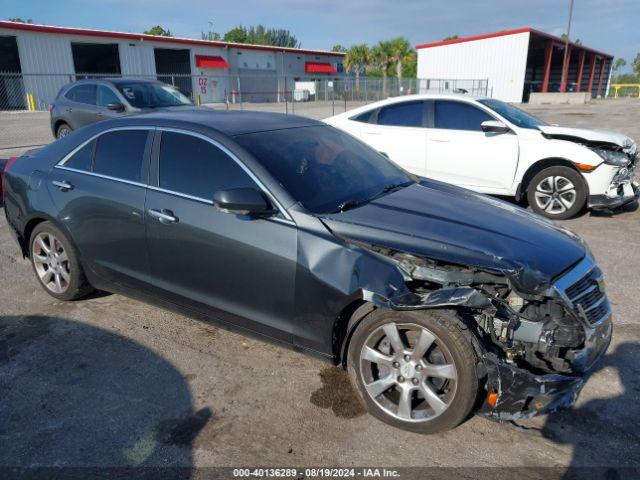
<point x="47" y="64"/>
<point x="502" y="60"/>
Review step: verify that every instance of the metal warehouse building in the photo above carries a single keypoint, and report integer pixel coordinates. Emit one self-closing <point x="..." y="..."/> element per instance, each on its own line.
<point x="39" y="59"/>
<point x="516" y="63"/>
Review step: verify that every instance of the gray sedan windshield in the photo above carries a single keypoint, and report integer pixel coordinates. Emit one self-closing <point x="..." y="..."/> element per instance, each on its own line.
<point x="322" y="168"/>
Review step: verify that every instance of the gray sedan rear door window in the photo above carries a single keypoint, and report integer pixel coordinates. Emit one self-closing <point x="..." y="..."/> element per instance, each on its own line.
<point x="120" y="154"/>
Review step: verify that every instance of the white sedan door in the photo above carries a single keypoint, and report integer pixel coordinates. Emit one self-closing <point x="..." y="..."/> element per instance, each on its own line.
<point x="398" y="131"/>
<point x="459" y="152"/>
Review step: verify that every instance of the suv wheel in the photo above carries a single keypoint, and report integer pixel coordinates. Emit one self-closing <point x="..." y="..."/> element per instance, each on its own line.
<point x="557" y="193"/>
<point x="414" y="370"/>
<point x="63" y="130"/>
<point x="56" y="264"/>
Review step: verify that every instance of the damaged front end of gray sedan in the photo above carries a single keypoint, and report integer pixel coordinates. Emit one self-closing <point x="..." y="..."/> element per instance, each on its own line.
<point x="536" y="329"/>
<point x="535" y="347"/>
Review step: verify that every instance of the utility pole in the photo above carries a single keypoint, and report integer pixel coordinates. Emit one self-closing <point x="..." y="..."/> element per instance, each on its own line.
<point x="565" y="67"/>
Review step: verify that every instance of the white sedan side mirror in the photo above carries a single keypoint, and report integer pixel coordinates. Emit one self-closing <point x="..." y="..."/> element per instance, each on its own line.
<point x="494" y="126"/>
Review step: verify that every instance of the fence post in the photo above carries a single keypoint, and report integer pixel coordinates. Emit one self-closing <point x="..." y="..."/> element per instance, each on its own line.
<point x="345" y="95"/>
<point x="293" y="97"/>
<point x="333" y="100"/>
<point x="286" y="104"/>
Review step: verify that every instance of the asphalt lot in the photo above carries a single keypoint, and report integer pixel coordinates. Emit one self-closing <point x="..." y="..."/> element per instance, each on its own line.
<point x="109" y="381"/>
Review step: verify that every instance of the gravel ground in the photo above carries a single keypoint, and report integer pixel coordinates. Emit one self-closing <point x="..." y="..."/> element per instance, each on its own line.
<point x="109" y="381"/>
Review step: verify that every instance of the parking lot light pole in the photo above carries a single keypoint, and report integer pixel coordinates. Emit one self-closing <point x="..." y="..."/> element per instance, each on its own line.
<point x="567" y="53"/>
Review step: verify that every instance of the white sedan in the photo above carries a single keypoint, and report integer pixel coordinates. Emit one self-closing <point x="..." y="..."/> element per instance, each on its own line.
<point x="492" y="147"/>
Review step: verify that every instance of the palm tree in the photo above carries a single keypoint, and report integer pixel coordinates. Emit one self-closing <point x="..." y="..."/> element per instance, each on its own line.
<point x="381" y="57"/>
<point x="399" y="50"/>
<point x="356" y="59"/>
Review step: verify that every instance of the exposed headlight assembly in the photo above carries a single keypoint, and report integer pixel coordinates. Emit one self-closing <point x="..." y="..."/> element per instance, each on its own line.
<point x="613" y="157"/>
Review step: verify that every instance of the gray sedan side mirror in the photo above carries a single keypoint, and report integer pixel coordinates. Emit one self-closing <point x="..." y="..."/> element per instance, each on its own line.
<point x="494" y="126"/>
<point x="242" y="201"/>
<point x="116" y="107"/>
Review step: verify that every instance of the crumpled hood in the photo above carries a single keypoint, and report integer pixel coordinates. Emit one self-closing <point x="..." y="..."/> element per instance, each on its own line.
<point x="600" y="136"/>
<point x="451" y="224"/>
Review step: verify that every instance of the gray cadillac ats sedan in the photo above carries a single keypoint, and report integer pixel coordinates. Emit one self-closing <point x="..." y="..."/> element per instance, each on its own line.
<point x="440" y="302"/>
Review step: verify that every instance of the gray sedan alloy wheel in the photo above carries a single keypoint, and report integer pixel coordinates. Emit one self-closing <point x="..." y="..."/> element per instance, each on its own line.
<point x="51" y="262"/>
<point x="408" y="372"/>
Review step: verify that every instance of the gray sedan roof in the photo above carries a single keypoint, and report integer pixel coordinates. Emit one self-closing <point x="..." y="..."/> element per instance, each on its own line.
<point x="230" y="123"/>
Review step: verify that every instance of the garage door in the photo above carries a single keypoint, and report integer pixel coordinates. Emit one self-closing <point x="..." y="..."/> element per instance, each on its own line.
<point x="11" y="86"/>
<point x="95" y="58"/>
<point x="173" y="66"/>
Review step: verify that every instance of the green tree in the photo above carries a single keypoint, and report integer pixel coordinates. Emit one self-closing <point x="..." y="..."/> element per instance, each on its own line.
<point x="211" y="35"/>
<point x="382" y="59"/>
<point x="451" y="37"/>
<point x="410" y="65"/>
<point x="399" y="50"/>
<point x="339" y="48"/>
<point x="636" y="64"/>
<point x="158" y="30"/>
<point x="281" y="37"/>
<point x="618" y="64"/>
<point x="236" y="35"/>
<point x="356" y="60"/>
<point x="260" y="35"/>
<point x="20" y="20"/>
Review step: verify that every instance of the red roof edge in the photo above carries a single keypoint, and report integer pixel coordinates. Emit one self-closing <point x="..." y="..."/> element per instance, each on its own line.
<point x="30" y="27"/>
<point x="503" y="33"/>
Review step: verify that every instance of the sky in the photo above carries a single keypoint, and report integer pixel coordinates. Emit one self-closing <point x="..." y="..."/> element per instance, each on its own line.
<point x="606" y="25"/>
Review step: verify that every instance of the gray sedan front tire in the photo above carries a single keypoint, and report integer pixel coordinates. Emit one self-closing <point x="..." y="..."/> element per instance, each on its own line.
<point x="414" y="370"/>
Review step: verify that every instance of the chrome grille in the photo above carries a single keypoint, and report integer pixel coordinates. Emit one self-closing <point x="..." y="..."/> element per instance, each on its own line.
<point x="583" y="289"/>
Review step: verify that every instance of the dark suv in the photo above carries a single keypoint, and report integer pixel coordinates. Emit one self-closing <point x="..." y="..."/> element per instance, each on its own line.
<point x="88" y="101"/>
<point x="439" y="301"/>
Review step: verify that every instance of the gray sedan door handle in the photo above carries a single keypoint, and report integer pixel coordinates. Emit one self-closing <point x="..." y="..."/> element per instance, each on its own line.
<point x="62" y="185"/>
<point x="165" y="216"/>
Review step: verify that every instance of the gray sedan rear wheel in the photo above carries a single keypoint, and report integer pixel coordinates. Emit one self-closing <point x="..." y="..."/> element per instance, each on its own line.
<point x="56" y="264"/>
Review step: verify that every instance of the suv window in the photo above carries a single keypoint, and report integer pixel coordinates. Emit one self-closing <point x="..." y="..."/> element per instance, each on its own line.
<point x="82" y="159"/>
<point x="405" y="114"/>
<point x="195" y="167"/>
<point x="120" y="154"/>
<point x="105" y="96"/>
<point x="453" y="115"/>
<point x="83" y="93"/>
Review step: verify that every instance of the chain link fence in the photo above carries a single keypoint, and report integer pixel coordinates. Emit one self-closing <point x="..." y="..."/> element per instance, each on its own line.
<point x="309" y="96"/>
